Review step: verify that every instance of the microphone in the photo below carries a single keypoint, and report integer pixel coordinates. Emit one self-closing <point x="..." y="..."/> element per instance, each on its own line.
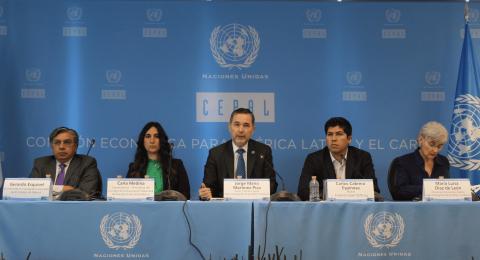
<point x="282" y="195"/>
<point x="169" y="194"/>
<point x="92" y="142"/>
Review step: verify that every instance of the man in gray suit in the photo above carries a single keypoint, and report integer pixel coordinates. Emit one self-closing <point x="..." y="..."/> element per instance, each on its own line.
<point x="240" y="157"/>
<point x="66" y="167"/>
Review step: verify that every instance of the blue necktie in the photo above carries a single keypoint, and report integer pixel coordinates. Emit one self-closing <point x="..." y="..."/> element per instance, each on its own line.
<point x="61" y="175"/>
<point x="240" y="164"/>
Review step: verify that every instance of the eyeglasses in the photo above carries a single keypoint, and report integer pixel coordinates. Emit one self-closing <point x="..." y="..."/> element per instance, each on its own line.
<point x="68" y="142"/>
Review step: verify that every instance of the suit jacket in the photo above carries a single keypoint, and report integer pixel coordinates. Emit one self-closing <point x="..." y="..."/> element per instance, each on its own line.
<point x="410" y="172"/>
<point x="82" y="173"/>
<point x="359" y="166"/>
<point x="220" y="165"/>
<point x="178" y="178"/>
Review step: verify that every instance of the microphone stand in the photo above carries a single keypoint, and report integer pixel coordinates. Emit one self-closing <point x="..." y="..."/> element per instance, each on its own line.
<point x="282" y="195"/>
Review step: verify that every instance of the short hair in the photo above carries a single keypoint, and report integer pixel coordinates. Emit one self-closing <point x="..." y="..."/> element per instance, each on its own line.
<point x="341" y="122"/>
<point x="63" y="129"/>
<point x="242" y="111"/>
<point x="435" y="131"/>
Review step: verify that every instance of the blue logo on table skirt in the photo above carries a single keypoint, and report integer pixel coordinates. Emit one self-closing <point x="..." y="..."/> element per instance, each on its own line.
<point x="234" y="45"/>
<point x="113" y="76"/>
<point x="393" y="15"/>
<point x="33" y="74"/>
<point x="121" y="230"/>
<point x="354" y="78"/>
<point x="154" y="15"/>
<point x="313" y="15"/>
<point x="473" y="15"/>
<point x="432" y="78"/>
<point x="384" y="229"/>
<point x="464" y="142"/>
<point x="74" y="13"/>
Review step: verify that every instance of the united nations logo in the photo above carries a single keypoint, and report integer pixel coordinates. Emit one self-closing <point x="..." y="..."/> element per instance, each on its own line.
<point x="354" y="78"/>
<point x="120" y="230"/>
<point x="432" y="78"/>
<point x="473" y="15"/>
<point x="234" y="45"/>
<point x="113" y="76"/>
<point x="392" y="15"/>
<point x="313" y="15"/>
<point x="74" y="13"/>
<point x="154" y="15"/>
<point x="384" y="229"/>
<point x="33" y="74"/>
<point x="464" y="143"/>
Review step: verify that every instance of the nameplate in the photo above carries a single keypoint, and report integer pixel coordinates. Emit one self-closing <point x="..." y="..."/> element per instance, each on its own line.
<point x="348" y="190"/>
<point x="27" y="189"/>
<point x="246" y="189"/>
<point x="446" y="189"/>
<point x="130" y="189"/>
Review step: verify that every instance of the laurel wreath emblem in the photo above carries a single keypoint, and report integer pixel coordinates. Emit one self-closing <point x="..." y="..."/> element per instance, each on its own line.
<point x="467" y="164"/>
<point x="131" y="243"/>
<point x="395" y="241"/>
<point x="250" y="58"/>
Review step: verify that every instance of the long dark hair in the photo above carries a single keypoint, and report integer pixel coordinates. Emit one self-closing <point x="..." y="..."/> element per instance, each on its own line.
<point x="141" y="156"/>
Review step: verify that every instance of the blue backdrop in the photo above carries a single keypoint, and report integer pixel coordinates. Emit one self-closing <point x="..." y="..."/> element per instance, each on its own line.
<point x="106" y="68"/>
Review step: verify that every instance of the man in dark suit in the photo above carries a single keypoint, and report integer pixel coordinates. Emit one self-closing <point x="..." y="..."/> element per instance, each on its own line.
<point x="239" y="157"/>
<point x="66" y="168"/>
<point x="338" y="160"/>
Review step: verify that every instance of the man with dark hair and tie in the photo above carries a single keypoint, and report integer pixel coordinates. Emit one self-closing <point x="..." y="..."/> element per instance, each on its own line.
<point x="240" y="157"/>
<point x="338" y="160"/>
<point x="67" y="168"/>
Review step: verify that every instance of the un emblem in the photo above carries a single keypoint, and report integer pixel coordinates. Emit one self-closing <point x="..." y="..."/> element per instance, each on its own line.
<point x="234" y="45"/>
<point x="432" y="78"/>
<point x="464" y="143"/>
<point x="384" y="229"/>
<point x="392" y="15"/>
<point x="120" y="230"/>
<point x="473" y="15"/>
<point x="113" y="76"/>
<point x="74" y="13"/>
<point x="33" y="74"/>
<point x="313" y="15"/>
<point x="154" y="15"/>
<point x="354" y="78"/>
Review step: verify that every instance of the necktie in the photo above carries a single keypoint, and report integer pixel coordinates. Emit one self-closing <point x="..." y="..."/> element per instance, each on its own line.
<point x="240" y="164"/>
<point x="61" y="175"/>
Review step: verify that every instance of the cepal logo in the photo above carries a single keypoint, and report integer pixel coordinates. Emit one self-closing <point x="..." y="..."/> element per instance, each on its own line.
<point x="154" y="15"/>
<point x="313" y="15"/>
<point x="393" y="15"/>
<point x="234" y="45"/>
<point x="354" y="78"/>
<point x="33" y="74"/>
<point x="473" y="15"/>
<point x="121" y="230"/>
<point x="384" y="229"/>
<point x="74" y="13"/>
<point x="433" y="78"/>
<point x="113" y="76"/>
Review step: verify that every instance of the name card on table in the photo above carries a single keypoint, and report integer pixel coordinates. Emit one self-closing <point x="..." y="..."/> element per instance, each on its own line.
<point x="134" y="189"/>
<point x="348" y="190"/>
<point x="246" y="189"/>
<point x="27" y="189"/>
<point x="446" y="189"/>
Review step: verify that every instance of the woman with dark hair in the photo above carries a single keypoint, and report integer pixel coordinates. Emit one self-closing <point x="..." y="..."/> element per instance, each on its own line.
<point x="153" y="158"/>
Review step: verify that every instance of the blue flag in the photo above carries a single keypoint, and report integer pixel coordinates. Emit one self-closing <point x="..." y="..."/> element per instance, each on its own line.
<point x="464" y="139"/>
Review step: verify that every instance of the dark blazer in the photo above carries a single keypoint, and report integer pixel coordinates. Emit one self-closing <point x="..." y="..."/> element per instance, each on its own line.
<point x="82" y="173"/>
<point x="410" y="172"/>
<point x="220" y="165"/>
<point x="319" y="163"/>
<point x="178" y="179"/>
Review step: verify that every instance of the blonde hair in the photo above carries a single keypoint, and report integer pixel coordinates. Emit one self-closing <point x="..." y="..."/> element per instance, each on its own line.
<point x="435" y="131"/>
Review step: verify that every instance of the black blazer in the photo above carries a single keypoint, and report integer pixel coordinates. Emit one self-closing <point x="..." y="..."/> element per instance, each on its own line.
<point x="178" y="179"/>
<point x="220" y="164"/>
<point x="410" y="172"/>
<point x="319" y="163"/>
<point x="82" y="173"/>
